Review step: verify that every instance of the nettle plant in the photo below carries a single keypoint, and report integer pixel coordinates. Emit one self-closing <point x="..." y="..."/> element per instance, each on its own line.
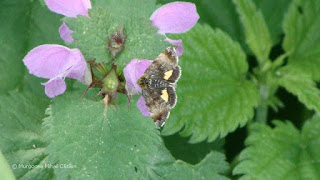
<point x="94" y="126"/>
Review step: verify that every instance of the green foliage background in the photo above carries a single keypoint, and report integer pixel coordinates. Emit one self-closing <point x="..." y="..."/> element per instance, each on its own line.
<point x="248" y="97"/>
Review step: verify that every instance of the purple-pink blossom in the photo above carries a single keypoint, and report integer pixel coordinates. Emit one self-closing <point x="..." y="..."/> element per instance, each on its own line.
<point x="132" y="72"/>
<point x="69" y="8"/>
<point x="175" y="17"/>
<point x="65" y="33"/>
<point x="56" y="62"/>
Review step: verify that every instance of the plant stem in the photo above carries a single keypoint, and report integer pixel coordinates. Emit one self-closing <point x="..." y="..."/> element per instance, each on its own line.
<point x="262" y="110"/>
<point x="262" y="114"/>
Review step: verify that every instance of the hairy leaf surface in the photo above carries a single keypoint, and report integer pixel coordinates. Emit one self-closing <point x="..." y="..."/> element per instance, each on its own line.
<point x="302" y="37"/>
<point x="93" y="34"/>
<point x="282" y="153"/>
<point x="112" y="143"/>
<point x="256" y="30"/>
<point x="214" y="97"/>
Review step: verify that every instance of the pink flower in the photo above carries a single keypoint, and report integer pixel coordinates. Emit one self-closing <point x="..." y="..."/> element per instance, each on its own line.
<point x="175" y="17"/>
<point x="132" y="72"/>
<point x="56" y="62"/>
<point x="69" y="8"/>
<point x="65" y="33"/>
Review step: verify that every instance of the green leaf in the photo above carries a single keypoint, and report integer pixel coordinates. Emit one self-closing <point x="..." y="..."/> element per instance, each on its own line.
<point x="214" y="97"/>
<point x="5" y="170"/>
<point x="302" y="37"/>
<point x="206" y="169"/>
<point x="92" y="34"/>
<point x="190" y="153"/>
<point x="300" y="85"/>
<point x="12" y="42"/>
<point x="282" y="152"/>
<point x="108" y="144"/>
<point x="256" y="30"/>
<point x="273" y="12"/>
<point x="26" y="24"/>
<point x="21" y="137"/>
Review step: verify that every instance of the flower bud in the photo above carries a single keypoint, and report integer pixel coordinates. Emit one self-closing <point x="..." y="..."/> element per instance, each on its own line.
<point x="110" y="82"/>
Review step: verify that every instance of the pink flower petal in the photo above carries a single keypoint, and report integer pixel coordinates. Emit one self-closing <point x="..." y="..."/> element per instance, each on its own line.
<point x="87" y="4"/>
<point x="65" y="33"/>
<point x="48" y="61"/>
<point x="79" y="68"/>
<point x="69" y="8"/>
<point x="175" y="17"/>
<point x="55" y="87"/>
<point x="87" y="78"/>
<point x="132" y="72"/>
<point x="178" y="43"/>
<point x="141" y="104"/>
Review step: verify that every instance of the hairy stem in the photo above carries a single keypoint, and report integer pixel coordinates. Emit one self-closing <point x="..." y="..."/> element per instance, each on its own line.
<point x="262" y="110"/>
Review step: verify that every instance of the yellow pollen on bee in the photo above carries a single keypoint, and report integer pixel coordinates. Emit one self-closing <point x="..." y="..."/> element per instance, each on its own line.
<point x="165" y="95"/>
<point x="168" y="74"/>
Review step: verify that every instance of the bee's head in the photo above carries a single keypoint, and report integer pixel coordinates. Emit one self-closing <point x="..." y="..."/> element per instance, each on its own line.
<point x="143" y="82"/>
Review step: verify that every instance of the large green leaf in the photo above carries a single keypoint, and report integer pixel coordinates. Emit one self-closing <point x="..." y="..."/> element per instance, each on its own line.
<point x="282" y="152"/>
<point x="92" y="34"/>
<point x="25" y="25"/>
<point x="302" y="37"/>
<point x="112" y="143"/>
<point x="21" y="137"/>
<point x="214" y="97"/>
<point x="256" y="30"/>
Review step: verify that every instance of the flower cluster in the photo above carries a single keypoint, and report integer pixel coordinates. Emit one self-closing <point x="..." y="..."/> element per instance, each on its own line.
<point x="176" y="17"/>
<point x="56" y="62"/>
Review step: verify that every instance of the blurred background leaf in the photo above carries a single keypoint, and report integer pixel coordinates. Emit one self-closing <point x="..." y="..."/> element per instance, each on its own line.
<point x="21" y="137"/>
<point x="27" y="24"/>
